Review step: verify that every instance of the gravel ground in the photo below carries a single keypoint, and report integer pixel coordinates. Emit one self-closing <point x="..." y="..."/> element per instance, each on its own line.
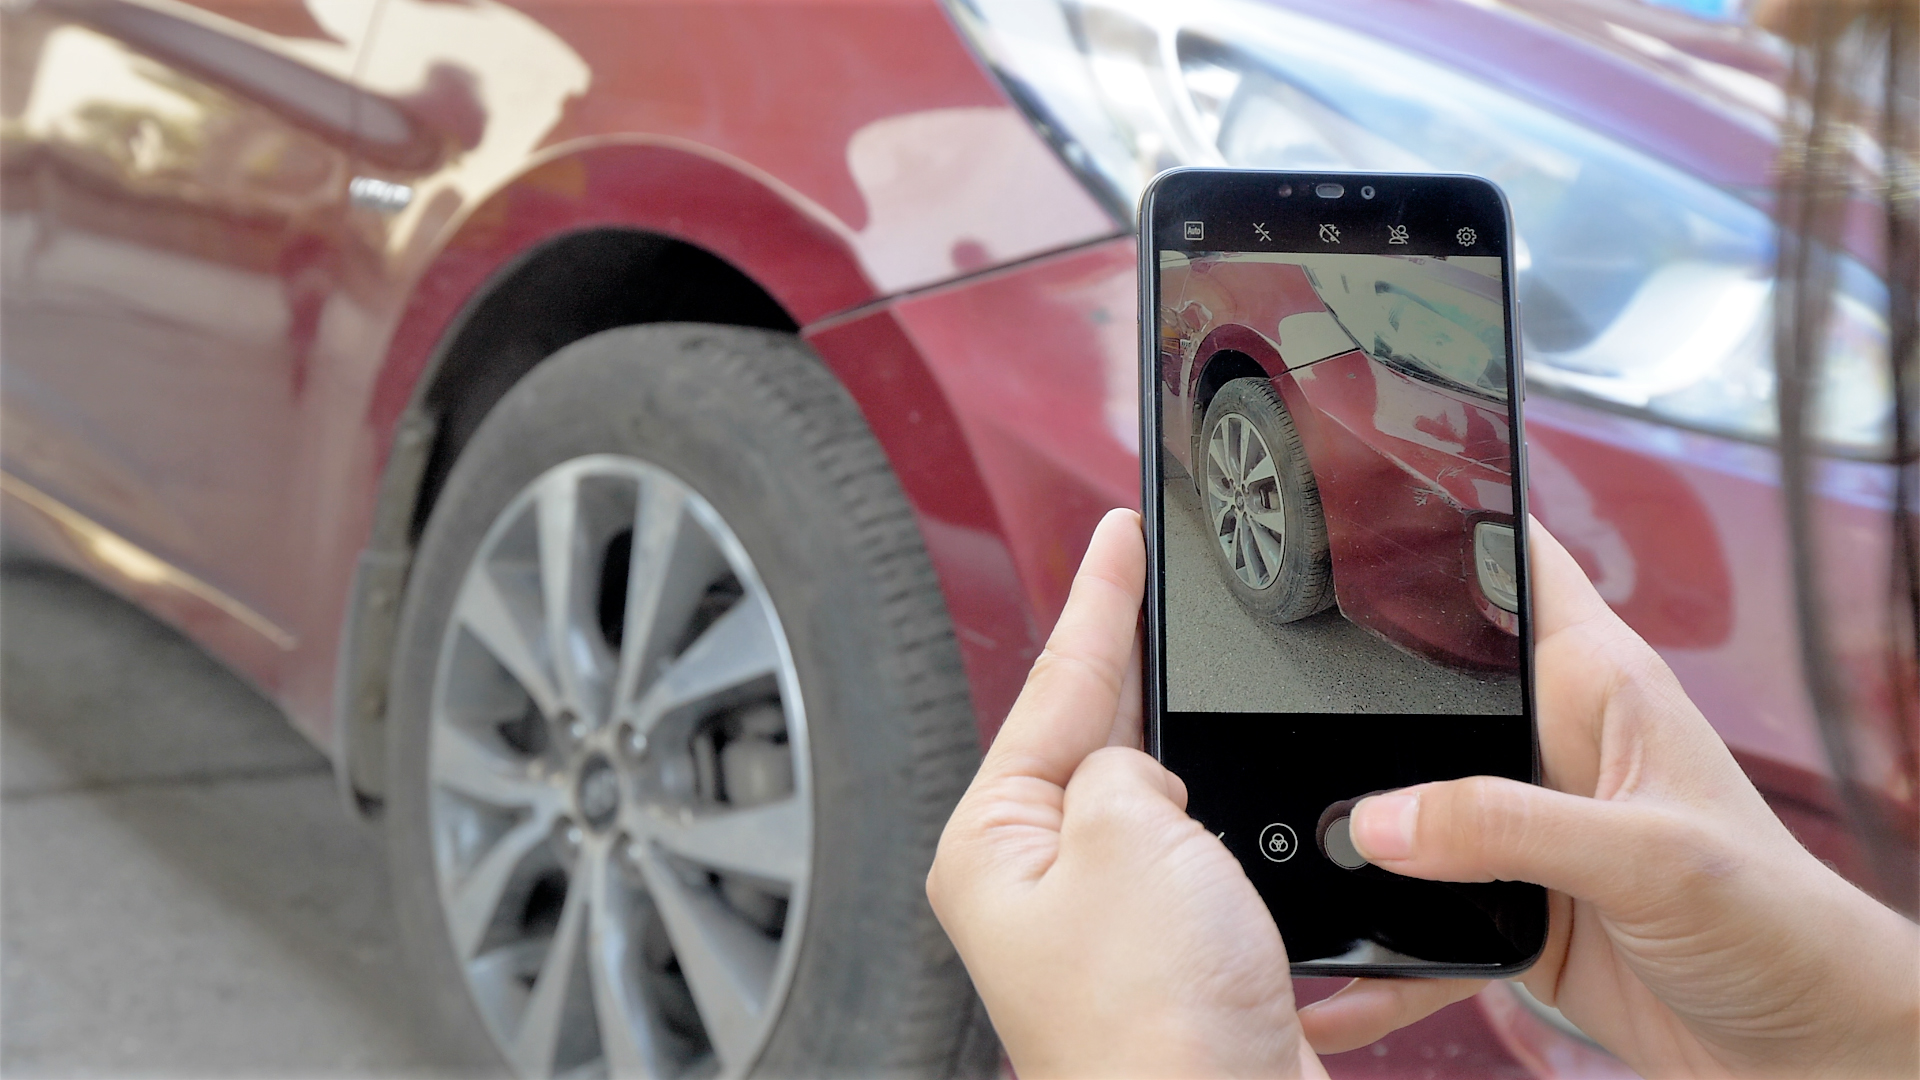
<point x="181" y="891"/>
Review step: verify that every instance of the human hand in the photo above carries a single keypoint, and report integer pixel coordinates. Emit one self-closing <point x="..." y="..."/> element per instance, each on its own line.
<point x="1106" y="931"/>
<point x="1690" y="933"/>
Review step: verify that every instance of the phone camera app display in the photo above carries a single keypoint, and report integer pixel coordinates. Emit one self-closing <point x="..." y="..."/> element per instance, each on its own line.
<point x="1337" y="492"/>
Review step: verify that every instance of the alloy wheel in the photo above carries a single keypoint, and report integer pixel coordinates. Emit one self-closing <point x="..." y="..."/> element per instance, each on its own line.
<point x="1244" y="502"/>
<point x="620" y="800"/>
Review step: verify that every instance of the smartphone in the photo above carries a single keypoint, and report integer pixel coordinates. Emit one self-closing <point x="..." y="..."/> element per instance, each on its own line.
<point x="1335" y="496"/>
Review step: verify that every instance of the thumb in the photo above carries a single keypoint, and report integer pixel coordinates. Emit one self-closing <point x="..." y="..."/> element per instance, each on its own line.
<point x="1487" y="828"/>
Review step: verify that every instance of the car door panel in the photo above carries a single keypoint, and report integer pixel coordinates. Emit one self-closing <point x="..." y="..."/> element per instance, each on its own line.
<point x="175" y="181"/>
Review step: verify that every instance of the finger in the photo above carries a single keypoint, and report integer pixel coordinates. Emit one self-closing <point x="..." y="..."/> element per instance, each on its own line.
<point x="1366" y="1010"/>
<point x="1115" y="784"/>
<point x="1128" y="722"/>
<point x="1067" y="708"/>
<point x="1119" y="804"/>
<point x="1488" y="828"/>
<point x="1593" y="672"/>
<point x="1562" y="595"/>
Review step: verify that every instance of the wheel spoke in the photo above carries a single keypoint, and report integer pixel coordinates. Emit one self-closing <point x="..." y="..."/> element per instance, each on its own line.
<point x="1267" y="538"/>
<point x="564" y="582"/>
<point x="737" y="649"/>
<point x="538" y="1036"/>
<point x="476" y="896"/>
<point x="728" y="965"/>
<point x="461" y="764"/>
<point x="1217" y="450"/>
<point x="1248" y="551"/>
<point x="626" y="1033"/>
<point x="769" y="842"/>
<point x="1272" y="521"/>
<point x="489" y="615"/>
<point x="672" y="564"/>
<point x="1264" y="469"/>
<point x="1217" y="487"/>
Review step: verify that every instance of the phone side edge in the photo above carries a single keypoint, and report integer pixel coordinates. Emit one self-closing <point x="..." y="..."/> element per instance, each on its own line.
<point x="1152" y="694"/>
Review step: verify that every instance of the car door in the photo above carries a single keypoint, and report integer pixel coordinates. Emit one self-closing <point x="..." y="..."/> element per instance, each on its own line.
<point x="175" y="181"/>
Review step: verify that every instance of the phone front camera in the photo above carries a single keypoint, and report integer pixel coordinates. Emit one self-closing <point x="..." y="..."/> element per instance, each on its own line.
<point x="1286" y="191"/>
<point x="1367" y="192"/>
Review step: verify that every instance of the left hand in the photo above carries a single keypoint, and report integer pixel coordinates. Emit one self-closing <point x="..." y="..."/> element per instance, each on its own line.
<point x="1106" y="931"/>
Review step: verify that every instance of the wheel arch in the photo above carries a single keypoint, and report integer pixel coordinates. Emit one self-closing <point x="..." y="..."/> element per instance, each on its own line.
<point x="606" y="236"/>
<point x="1224" y="363"/>
<point x="1223" y="366"/>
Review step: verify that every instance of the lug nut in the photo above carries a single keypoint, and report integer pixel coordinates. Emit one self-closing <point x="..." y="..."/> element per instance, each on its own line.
<point x="634" y="740"/>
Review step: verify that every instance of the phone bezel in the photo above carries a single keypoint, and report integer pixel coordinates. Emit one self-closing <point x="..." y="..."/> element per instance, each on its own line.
<point x="1154" y="695"/>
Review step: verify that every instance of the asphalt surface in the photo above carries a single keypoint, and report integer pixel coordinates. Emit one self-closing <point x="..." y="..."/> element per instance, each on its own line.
<point x="1222" y="659"/>
<point x="181" y="892"/>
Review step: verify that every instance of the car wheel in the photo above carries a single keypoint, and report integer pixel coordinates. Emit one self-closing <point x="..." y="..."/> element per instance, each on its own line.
<point x="677" y="719"/>
<point x="1261" y="504"/>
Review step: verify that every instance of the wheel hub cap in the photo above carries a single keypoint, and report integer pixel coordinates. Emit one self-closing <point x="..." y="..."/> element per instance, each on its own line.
<point x="598" y="793"/>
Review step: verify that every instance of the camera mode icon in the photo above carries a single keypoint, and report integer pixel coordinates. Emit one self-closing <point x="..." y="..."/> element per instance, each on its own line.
<point x="1278" y="842"/>
<point x="1196" y="230"/>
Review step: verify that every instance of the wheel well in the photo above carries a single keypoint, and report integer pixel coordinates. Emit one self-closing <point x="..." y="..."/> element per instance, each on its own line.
<point x="568" y="289"/>
<point x="1222" y="368"/>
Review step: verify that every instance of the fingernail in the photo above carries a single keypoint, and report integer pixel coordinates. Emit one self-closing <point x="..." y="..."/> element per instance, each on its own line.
<point x="1383" y="825"/>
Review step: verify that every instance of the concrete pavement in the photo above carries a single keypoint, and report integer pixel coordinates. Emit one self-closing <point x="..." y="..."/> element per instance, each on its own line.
<point x="181" y="893"/>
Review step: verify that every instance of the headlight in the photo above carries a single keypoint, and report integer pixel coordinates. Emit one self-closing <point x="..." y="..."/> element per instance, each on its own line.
<point x="1495" y="566"/>
<point x="1641" y="287"/>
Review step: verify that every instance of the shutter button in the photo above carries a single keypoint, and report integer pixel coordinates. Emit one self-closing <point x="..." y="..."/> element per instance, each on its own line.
<point x="1335" y="835"/>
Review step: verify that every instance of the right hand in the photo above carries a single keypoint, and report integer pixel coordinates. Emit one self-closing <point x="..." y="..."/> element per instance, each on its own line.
<point x="1690" y="933"/>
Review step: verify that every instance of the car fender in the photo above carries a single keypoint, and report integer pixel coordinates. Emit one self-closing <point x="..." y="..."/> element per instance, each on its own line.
<point x="800" y="255"/>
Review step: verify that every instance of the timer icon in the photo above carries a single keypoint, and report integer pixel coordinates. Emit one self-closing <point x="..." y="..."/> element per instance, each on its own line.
<point x="1466" y="236"/>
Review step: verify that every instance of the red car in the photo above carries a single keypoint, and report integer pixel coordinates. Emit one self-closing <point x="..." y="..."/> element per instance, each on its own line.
<point x="1405" y="436"/>
<point x="647" y="441"/>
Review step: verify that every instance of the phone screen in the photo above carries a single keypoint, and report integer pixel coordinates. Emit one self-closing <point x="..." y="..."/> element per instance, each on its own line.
<point x="1336" y="510"/>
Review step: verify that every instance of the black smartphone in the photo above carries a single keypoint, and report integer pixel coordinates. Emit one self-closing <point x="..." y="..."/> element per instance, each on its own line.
<point x="1335" y="497"/>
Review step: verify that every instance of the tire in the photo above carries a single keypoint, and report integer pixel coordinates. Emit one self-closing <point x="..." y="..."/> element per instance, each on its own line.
<point x="1261" y="504"/>
<point x="856" y="718"/>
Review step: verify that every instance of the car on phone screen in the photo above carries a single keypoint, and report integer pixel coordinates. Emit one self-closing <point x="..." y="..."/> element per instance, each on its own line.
<point x="1370" y="392"/>
<point x="646" y="443"/>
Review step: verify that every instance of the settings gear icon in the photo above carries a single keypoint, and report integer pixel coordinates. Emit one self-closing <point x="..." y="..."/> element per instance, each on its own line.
<point x="1466" y="236"/>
